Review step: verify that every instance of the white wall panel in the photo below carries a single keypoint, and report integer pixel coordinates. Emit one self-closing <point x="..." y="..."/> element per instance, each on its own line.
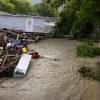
<point x="13" y="22"/>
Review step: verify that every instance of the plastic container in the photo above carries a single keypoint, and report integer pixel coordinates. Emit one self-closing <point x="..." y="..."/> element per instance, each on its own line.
<point x="24" y="50"/>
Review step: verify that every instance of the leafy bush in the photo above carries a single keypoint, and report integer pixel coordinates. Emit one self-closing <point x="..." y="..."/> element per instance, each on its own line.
<point x="91" y="73"/>
<point x="82" y="28"/>
<point x="85" y="50"/>
<point x="85" y="71"/>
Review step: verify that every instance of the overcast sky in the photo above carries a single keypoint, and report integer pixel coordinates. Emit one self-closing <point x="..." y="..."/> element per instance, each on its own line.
<point x="36" y="1"/>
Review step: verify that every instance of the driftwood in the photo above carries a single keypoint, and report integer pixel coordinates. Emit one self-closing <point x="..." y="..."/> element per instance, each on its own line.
<point x="12" y="63"/>
<point x="8" y="56"/>
<point x="4" y="59"/>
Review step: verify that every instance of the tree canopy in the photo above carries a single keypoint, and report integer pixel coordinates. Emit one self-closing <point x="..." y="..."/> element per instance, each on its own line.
<point x="15" y="6"/>
<point x="80" y="18"/>
<point x="44" y="9"/>
<point x="26" y="7"/>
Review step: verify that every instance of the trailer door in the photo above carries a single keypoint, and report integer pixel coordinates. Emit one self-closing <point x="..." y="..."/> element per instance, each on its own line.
<point x="29" y="25"/>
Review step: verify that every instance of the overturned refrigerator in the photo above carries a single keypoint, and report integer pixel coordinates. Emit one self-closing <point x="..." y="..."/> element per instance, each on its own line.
<point x="22" y="66"/>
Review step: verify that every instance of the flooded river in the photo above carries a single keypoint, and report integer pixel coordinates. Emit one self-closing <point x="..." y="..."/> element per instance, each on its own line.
<point x="54" y="76"/>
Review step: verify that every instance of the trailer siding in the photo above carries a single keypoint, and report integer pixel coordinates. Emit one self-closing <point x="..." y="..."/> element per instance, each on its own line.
<point x="26" y="23"/>
<point x="18" y="23"/>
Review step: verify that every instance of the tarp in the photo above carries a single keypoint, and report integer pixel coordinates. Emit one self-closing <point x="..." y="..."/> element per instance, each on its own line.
<point x="17" y="42"/>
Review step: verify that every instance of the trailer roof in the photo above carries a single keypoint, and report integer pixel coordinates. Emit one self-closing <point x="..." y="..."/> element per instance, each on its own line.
<point x="19" y="15"/>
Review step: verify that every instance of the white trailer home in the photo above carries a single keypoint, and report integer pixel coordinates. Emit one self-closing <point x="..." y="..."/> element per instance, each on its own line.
<point x="26" y="23"/>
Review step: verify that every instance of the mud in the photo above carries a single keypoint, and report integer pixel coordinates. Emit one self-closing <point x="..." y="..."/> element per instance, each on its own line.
<point x="54" y="76"/>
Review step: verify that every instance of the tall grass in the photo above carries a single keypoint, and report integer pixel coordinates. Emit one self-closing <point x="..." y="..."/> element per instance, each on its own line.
<point x="85" y="50"/>
<point x="90" y="73"/>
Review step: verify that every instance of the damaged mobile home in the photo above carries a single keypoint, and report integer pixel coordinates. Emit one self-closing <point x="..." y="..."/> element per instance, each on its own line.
<point x="26" y="23"/>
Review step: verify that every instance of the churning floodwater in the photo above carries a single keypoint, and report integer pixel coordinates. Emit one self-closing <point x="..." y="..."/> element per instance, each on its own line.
<point x="54" y="76"/>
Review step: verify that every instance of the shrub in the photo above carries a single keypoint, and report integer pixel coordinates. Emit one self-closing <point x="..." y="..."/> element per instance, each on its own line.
<point x="82" y="28"/>
<point x="96" y="51"/>
<point x="91" y="73"/>
<point x="85" y="50"/>
<point x="85" y="71"/>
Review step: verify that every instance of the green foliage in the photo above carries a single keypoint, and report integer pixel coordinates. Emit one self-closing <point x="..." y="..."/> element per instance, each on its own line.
<point x="67" y="17"/>
<point x="25" y="7"/>
<point x="82" y="28"/>
<point x="55" y="3"/>
<point x="5" y="5"/>
<point x="44" y="10"/>
<point x="22" y="7"/>
<point x="85" y="50"/>
<point x="80" y="18"/>
<point x="85" y="71"/>
<point x="16" y="6"/>
<point x="91" y="73"/>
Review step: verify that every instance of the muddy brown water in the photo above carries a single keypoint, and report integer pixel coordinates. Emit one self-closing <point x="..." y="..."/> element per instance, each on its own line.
<point x="54" y="76"/>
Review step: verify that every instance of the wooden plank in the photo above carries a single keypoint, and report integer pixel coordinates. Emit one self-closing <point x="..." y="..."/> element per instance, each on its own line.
<point x="15" y="60"/>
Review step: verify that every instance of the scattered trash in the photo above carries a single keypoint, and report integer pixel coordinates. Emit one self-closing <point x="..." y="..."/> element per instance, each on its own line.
<point x="24" y="50"/>
<point x="35" y="55"/>
<point x="15" y="56"/>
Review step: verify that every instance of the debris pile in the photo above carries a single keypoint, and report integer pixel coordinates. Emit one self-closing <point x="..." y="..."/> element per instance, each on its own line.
<point x="27" y="37"/>
<point x="8" y="58"/>
<point x="12" y="47"/>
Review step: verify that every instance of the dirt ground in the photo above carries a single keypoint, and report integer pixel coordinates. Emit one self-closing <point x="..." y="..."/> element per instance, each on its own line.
<point x="54" y="76"/>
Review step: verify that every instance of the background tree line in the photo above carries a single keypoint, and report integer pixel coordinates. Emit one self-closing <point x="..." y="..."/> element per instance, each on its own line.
<point x="26" y="7"/>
